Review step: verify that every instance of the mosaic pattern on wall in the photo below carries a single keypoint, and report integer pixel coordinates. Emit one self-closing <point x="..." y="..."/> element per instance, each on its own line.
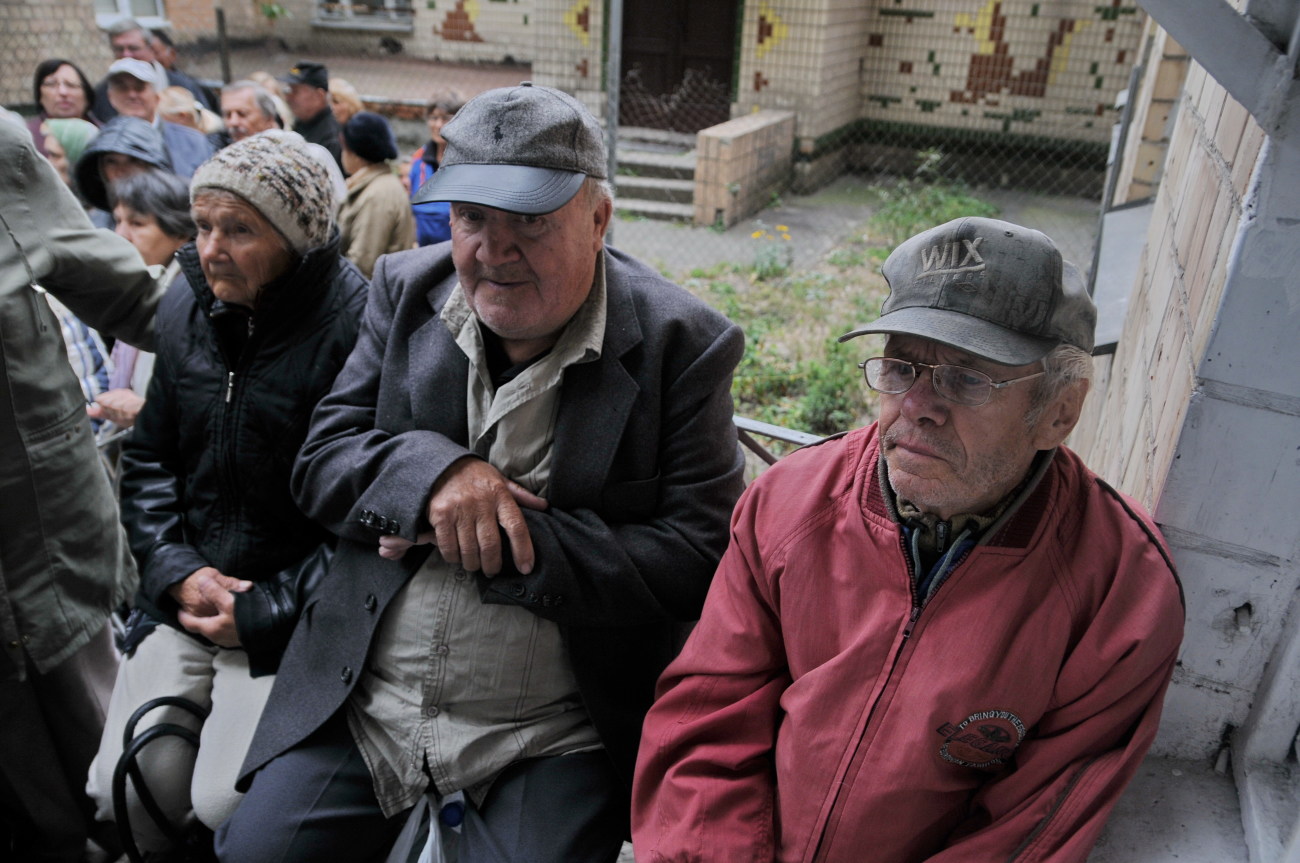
<point x="1049" y="69"/>
<point x="458" y="24"/>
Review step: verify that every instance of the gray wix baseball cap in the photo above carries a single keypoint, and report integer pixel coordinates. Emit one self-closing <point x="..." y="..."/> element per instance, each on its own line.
<point x="524" y="149"/>
<point x="987" y="287"/>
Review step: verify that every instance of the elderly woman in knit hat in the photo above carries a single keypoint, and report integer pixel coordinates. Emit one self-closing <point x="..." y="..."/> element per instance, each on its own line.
<point x="376" y="215"/>
<point x="249" y="337"/>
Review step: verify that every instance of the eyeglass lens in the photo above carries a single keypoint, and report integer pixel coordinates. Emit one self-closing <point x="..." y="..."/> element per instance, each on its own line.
<point x="955" y="383"/>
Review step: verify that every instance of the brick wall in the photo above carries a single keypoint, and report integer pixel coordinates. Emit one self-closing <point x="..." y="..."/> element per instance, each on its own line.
<point x="38" y="29"/>
<point x="1140" y="417"/>
<point x="191" y="19"/>
<point x="740" y="164"/>
<point x="1154" y="109"/>
<point x="1212" y="152"/>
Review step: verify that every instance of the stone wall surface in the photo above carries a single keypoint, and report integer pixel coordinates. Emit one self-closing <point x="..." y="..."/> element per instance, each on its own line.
<point x="33" y="32"/>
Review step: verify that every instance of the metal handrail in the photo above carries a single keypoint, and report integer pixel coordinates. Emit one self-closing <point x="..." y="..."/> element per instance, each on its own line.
<point x="746" y="429"/>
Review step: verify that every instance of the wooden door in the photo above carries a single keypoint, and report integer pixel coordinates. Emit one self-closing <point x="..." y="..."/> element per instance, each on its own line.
<point x="678" y="60"/>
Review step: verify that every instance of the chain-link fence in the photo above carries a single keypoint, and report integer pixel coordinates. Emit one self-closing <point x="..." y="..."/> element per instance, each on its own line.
<point x="854" y="126"/>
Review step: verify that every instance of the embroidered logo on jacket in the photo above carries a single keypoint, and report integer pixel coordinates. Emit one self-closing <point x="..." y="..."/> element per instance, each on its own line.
<point x="983" y="739"/>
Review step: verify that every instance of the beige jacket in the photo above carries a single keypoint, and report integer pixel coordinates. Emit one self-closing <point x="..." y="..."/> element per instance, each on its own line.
<point x="375" y="218"/>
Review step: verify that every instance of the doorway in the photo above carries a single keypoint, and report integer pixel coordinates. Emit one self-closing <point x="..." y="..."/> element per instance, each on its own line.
<point x="678" y="62"/>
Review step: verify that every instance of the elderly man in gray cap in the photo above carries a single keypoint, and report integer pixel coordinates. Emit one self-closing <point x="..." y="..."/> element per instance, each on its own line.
<point x="936" y="638"/>
<point x="529" y="462"/>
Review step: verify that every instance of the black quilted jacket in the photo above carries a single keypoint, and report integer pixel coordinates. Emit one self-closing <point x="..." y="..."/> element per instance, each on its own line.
<point x="205" y="474"/>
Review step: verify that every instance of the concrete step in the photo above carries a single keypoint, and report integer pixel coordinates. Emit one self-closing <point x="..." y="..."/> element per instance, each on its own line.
<point x="660" y="210"/>
<point x="656" y="189"/>
<point x="637" y="137"/>
<point x="650" y="163"/>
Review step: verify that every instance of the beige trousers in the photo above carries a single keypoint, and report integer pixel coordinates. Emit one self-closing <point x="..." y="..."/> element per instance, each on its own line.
<point x="186" y="783"/>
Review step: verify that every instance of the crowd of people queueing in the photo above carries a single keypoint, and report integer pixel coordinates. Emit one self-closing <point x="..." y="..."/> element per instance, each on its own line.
<point x="423" y="548"/>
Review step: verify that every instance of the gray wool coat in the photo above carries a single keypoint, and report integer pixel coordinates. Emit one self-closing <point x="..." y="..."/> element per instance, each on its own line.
<point x="646" y="469"/>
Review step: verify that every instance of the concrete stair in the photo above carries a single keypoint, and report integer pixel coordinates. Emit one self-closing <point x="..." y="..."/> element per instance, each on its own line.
<point x="656" y="175"/>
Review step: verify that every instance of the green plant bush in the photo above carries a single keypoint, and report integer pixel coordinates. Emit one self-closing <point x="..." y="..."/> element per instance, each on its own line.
<point x="924" y="200"/>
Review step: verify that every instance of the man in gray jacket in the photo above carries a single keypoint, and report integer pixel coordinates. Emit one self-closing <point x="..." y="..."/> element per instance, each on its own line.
<point x="530" y="462"/>
<point x="64" y="563"/>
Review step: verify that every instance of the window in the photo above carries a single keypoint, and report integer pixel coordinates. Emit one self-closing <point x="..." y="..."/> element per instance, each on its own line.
<point x="150" y="13"/>
<point x="365" y="14"/>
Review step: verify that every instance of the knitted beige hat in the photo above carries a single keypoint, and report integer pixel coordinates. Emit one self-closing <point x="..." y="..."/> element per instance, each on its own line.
<point x="281" y="180"/>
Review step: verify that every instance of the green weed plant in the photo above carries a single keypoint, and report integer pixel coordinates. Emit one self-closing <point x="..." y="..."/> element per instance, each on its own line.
<point x="924" y="200"/>
<point x="795" y="373"/>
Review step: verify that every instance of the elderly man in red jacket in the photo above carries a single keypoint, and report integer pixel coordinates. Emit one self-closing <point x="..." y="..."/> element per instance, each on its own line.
<point x="936" y="638"/>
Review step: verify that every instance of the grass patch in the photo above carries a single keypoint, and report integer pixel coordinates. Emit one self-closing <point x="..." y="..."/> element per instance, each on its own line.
<point x="924" y="200"/>
<point x="795" y="373"/>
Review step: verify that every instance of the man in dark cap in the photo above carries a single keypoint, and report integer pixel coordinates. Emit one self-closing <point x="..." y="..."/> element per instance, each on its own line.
<point x="529" y="461"/>
<point x="309" y="100"/>
<point x="939" y="637"/>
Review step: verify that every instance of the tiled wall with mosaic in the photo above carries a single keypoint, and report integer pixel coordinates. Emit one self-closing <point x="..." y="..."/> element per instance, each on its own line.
<point x="1018" y="67"/>
<point x="569" y="49"/>
<point x="803" y="57"/>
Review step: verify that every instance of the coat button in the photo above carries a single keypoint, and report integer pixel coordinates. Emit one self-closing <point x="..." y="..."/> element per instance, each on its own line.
<point x="346" y="675"/>
<point x="371" y="602"/>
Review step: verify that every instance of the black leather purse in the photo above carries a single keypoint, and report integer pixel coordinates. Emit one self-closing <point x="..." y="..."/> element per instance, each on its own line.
<point x="266" y="615"/>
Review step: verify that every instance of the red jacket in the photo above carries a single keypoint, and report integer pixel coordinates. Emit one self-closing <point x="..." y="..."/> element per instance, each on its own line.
<point x="817" y="713"/>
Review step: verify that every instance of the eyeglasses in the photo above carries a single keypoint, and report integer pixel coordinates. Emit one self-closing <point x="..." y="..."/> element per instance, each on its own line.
<point x="955" y="383"/>
<point x="56" y="84"/>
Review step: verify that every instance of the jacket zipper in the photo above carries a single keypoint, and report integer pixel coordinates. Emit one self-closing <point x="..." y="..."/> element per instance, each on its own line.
<point x="230" y="476"/>
<point x="913" y="616"/>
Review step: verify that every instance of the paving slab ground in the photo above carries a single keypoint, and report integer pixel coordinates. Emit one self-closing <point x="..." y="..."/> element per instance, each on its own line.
<point x="1174" y="812"/>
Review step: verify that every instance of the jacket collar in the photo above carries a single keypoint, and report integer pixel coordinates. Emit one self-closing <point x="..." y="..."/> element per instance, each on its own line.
<point x="1014" y="527"/>
<point x="604" y="389"/>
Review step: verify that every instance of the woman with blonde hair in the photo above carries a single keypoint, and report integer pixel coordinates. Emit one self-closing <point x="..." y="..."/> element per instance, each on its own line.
<point x="178" y="105"/>
<point x="345" y="101"/>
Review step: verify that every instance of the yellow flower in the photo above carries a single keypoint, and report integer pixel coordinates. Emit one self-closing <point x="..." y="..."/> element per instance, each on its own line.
<point x="756" y="234"/>
<point x="782" y="229"/>
<point x="785" y="236"/>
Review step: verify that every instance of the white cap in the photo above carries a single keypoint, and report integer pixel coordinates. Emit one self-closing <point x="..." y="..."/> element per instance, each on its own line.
<point x="138" y="69"/>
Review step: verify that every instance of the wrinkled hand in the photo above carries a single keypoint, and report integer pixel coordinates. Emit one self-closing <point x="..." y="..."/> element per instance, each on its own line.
<point x="120" y="406"/>
<point x="469" y="501"/>
<point x="207" y="604"/>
